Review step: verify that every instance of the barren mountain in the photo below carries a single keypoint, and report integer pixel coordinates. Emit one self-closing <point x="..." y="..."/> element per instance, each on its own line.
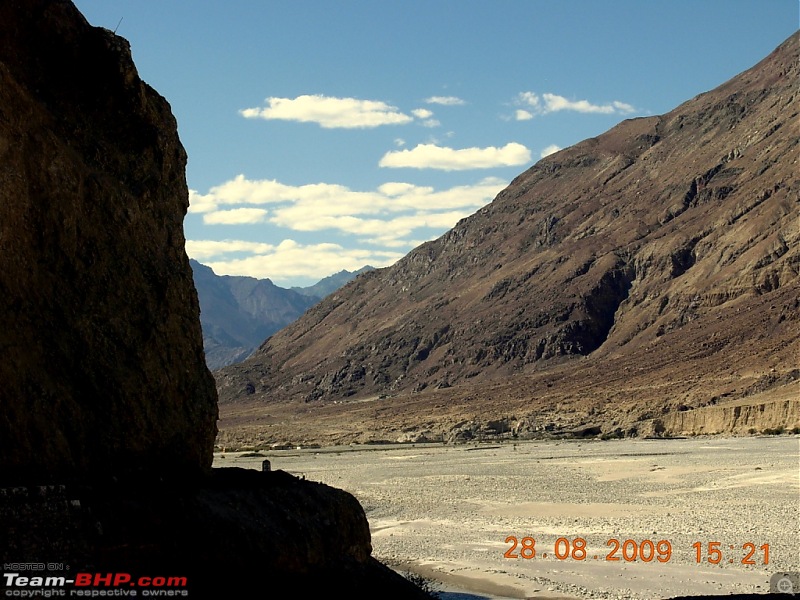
<point x="616" y="286"/>
<point x="331" y="283"/>
<point x="238" y="313"/>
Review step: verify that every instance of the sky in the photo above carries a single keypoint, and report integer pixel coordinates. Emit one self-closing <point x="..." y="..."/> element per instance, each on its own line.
<point x="332" y="134"/>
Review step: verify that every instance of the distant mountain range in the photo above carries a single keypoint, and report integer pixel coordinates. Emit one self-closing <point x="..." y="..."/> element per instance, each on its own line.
<point x="645" y="280"/>
<point x="238" y="313"/>
<point x="330" y="284"/>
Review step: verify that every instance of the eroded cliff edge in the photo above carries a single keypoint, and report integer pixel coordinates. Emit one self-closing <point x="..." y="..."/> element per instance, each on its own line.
<point x="107" y="410"/>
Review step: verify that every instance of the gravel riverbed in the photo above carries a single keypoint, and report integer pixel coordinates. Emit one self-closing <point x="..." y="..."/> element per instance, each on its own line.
<point x="510" y="520"/>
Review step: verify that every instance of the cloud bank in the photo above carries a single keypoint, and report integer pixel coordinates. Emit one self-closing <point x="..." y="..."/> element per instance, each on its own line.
<point x="287" y="260"/>
<point x="383" y="223"/>
<point x="330" y="112"/>
<point x="431" y="156"/>
<point x="395" y="214"/>
<point x="533" y="104"/>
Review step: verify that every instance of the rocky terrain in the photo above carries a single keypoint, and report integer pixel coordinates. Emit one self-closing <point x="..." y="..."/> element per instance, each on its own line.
<point x="446" y="511"/>
<point x="615" y="287"/>
<point x="108" y="410"/>
<point x="238" y="313"/>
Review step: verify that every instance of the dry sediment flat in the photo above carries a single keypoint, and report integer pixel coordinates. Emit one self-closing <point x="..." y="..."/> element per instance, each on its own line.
<point x="449" y="512"/>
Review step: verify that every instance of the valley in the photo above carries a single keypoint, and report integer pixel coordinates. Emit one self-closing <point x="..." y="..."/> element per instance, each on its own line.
<point x="643" y="282"/>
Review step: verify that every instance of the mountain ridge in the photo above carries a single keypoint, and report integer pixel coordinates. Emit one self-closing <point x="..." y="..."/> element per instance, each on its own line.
<point x="238" y="313"/>
<point x="619" y="244"/>
<point x="331" y="283"/>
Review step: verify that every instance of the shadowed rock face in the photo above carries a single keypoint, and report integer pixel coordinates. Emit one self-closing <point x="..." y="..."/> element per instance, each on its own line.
<point x="101" y="356"/>
<point x="107" y="410"/>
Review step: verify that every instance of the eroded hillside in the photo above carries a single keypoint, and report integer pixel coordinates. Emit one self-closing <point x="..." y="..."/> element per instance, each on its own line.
<point x="649" y="270"/>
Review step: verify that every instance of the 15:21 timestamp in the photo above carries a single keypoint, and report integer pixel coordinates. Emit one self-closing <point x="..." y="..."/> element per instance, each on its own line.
<point x="714" y="554"/>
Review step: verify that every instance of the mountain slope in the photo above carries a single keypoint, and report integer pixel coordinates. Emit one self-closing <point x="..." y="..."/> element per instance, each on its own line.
<point x="328" y="285"/>
<point x="667" y="245"/>
<point x="238" y="313"/>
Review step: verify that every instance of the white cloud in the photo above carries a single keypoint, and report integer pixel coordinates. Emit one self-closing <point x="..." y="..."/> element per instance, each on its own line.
<point x="529" y="99"/>
<point x="549" y="103"/>
<point x="623" y="107"/>
<point x="390" y="242"/>
<point x="399" y="142"/>
<point x="425" y="116"/>
<point x="290" y="260"/>
<point x="431" y="156"/>
<point x="555" y="103"/>
<point x="394" y="228"/>
<point x="400" y="189"/>
<point x="329" y="112"/>
<point x="236" y="216"/>
<point x="393" y="211"/>
<point x="551" y="149"/>
<point x="200" y="203"/>
<point x="523" y="115"/>
<point x="445" y="100"/>
<point x="240" y="190"/>
<point x="203" y="249"/>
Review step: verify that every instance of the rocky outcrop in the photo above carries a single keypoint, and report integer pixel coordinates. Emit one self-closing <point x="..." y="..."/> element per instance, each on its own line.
<point x="221" y="537"/>
<point x="607" y="251"/>
<point x="96" y="294"/>
<point x="742" y="417"/>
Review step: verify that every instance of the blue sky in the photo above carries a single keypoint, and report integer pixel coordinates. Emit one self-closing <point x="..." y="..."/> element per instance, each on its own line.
<point x="330" y="134"/>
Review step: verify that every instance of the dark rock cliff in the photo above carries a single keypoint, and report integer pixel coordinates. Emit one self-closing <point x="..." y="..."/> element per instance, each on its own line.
<point x="101" y="357"/>
<point x="107" y="410"/>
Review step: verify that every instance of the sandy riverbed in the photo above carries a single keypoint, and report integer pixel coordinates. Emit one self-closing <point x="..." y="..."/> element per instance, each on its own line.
<point x="449" y="513"/>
